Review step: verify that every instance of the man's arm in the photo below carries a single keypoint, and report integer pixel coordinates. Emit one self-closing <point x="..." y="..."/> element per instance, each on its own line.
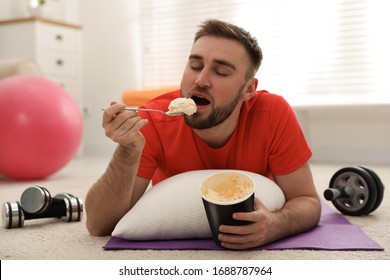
<point x="119" y="188"/>
<point x="115" y="193"/>
<point x="303" y="206"/>
<point x="300" y="213"/>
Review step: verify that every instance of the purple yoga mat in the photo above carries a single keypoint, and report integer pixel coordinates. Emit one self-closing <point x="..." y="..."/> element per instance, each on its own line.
<point x="334" y="232"/>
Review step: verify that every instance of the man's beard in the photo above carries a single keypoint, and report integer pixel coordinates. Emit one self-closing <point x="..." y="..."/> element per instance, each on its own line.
<point x="217" y="116"/>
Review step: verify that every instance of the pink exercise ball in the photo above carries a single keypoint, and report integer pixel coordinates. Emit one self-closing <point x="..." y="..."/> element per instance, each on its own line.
<point x="40" y="127"/>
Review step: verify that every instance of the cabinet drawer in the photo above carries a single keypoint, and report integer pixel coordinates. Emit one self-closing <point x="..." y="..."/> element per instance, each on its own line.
<point x="59" y="63"/>
<point x="57" y="37"/>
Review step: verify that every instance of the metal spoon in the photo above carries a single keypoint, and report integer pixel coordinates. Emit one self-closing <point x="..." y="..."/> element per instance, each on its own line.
<point x="168" y="113"/>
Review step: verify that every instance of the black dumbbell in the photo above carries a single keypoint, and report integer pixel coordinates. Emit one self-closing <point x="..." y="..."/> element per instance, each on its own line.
<point x="36" y="203"/>
<point x="355" y="190"/>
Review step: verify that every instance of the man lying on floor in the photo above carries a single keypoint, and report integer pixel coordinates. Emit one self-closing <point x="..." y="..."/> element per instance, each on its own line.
<point x="234" y="127"/>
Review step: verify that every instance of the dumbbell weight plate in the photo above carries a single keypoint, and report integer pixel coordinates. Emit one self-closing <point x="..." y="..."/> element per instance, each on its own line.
<point x="74" y="207"/>
<point x="13" y="216"/>
<point x="379" y="186"/>
<point x="35" y="200"/>
<point x="364" y="191"/>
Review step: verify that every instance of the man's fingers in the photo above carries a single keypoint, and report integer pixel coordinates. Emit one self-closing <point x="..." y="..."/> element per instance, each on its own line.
<point x="111" y="112"/>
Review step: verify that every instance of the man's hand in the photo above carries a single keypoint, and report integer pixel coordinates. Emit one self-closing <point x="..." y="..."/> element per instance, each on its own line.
<point x="258" y="233"/>
<point x="122" y="126"/>
<point x="299" y="214"/>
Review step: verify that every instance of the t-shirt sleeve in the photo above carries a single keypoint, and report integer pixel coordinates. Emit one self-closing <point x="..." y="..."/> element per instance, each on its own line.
<point x="288" y="147"/>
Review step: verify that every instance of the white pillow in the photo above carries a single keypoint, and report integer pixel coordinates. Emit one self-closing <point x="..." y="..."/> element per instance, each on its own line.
<point x="173" y="208"/>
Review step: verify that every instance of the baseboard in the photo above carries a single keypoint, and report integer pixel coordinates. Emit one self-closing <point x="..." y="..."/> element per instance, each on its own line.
<point x="370" y="155"/>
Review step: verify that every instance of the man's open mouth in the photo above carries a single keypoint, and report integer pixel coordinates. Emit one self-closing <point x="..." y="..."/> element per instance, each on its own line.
<point x="200" y="101"/>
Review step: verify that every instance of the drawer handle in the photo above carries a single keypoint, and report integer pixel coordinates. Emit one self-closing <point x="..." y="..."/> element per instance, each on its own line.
<point x="59" y="62"/>
<point x="59" y="37"/>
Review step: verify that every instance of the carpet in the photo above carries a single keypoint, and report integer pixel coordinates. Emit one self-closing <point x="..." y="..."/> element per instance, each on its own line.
<point x="52" y="239"/>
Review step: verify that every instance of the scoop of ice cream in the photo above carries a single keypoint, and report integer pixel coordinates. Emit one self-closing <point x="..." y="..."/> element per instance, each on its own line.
<point x="226" y="186"/>
<point x="182" y="105"/>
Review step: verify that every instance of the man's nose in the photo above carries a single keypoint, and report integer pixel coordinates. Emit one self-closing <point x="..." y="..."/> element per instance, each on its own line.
<point x="203" y="79"/>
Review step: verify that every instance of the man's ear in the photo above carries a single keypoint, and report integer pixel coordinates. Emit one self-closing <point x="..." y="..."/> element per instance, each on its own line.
<point x="250" y="89"/>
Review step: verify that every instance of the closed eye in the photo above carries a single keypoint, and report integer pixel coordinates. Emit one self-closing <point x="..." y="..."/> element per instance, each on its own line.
<point x="196" y="68"/>
<point x="221" y="73"/>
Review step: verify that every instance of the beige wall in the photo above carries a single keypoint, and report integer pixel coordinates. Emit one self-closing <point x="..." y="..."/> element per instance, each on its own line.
<point x="353" y="134"/>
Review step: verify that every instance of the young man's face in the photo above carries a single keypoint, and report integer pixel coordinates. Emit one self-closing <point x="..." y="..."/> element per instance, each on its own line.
<point x="215" y="77"/>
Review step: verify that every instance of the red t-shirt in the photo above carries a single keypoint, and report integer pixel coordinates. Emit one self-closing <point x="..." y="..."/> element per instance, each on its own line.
<point x="268" y="140"/>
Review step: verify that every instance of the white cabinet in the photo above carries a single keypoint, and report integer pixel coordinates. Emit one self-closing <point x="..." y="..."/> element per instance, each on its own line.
<point x="55" y="46"/>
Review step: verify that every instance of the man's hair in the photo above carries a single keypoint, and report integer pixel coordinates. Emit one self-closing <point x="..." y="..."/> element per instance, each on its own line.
<point x="218" y="28"/>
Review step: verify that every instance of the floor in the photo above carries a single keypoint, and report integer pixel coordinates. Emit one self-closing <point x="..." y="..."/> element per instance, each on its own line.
<point x="76" y="178"/>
